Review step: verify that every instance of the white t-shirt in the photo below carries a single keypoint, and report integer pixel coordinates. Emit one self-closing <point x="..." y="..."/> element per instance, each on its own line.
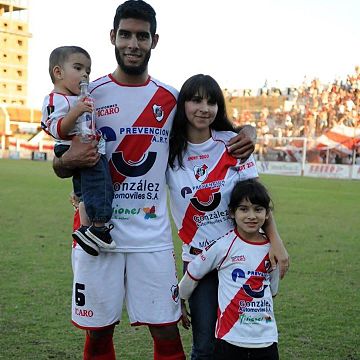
<point x="136" y="123"/>
<point x="246" y="287"/>
<point x="200" y="192"/>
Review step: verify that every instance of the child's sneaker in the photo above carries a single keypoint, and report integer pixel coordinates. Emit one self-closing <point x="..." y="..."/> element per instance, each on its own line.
<point x="101" y="236"/>
<point x="87" y="244"/>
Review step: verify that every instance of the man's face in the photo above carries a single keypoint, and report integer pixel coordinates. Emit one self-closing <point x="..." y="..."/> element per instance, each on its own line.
<point x="133" y="43"/>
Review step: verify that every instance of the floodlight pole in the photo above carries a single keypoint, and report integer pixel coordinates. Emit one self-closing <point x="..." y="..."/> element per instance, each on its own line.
<point x="303" y="157"/>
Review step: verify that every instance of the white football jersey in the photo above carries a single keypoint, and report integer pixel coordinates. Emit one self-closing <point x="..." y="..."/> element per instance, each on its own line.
<point x="200" y="192"/>
<point x="136" y="123"/>
<point x="54" y="108"/>
<point x="246" y="287"/>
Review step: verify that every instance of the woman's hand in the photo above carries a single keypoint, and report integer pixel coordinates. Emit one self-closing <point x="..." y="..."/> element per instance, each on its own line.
<point x="279" y="257"/>
<point x="278" y="254"/>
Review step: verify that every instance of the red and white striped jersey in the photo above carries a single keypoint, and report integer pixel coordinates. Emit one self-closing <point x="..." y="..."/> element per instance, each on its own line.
<point x="55" y="107"/>
<point x="136" y="123"/>
<point x="200" y="192"/>
<point x="246" y="287"/>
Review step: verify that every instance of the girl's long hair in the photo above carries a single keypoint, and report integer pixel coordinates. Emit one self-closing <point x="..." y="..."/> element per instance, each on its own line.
<point x="207" y="88"/>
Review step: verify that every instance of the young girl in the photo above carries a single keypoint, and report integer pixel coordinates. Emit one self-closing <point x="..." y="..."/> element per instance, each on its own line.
<point x="246" y="326"/>
<point x="201" y="176"/>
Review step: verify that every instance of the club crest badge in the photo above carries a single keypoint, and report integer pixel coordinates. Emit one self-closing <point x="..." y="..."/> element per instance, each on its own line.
<point x="158" y="112"/>
<point x="201" y="172"/>
<point x="267" y="265"/>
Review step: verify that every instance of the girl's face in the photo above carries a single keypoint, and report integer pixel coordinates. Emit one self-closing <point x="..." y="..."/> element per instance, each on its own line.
<point x="249" y="217"/>
<point x="200" y="113"/>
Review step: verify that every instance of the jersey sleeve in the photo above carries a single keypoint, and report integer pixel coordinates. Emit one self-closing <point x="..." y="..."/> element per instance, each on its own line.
<point x="223" y="136"/>
<point x="248" y="169"/>
<point x="186" y="286"/>
<point x="205" y="262"/>
<point x="55" y="107"/>
<point x="274" y="281"/>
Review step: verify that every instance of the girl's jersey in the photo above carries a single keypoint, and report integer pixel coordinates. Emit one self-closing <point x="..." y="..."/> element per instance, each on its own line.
<point x="55" y="107"/>
<point x="246" y="287"/>
<point x="200" y="192"/>
<point x="137" y="147"/>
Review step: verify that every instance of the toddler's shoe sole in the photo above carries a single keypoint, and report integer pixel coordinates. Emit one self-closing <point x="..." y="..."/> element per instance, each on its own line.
<point x="86" y="243"/>
<point x="99" y="242"/>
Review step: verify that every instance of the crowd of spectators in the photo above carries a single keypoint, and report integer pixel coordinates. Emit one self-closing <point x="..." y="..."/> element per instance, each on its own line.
<point x="307" y="110"/>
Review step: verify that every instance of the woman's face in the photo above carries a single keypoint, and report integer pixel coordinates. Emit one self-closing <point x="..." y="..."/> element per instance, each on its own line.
<point x="200" y="112"/>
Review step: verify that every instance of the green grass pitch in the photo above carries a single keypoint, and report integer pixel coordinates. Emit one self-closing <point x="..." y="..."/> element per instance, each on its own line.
<point x="317" y="308"/>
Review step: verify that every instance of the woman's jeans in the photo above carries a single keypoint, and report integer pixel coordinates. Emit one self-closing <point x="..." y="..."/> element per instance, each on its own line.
<point x="203" y="305"/>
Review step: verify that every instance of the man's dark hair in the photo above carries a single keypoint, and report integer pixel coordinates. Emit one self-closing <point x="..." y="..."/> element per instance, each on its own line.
<point x="59" y="56"/>
<point x="136" y="9"/>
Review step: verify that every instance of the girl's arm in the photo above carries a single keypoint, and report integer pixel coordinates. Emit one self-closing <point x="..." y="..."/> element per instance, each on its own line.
<point x="186" y="286"/>
<point x="68" y="122"/>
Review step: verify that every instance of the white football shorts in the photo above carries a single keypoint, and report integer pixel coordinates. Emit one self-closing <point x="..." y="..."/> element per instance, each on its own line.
<point x="147" y="281"/>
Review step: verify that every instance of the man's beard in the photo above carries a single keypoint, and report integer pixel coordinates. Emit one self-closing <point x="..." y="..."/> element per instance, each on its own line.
<point x="132" y="70"/>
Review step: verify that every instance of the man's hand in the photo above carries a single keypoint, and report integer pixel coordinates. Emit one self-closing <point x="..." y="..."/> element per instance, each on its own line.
<point x="242" y="145"/>
<point x="79" y="155"/>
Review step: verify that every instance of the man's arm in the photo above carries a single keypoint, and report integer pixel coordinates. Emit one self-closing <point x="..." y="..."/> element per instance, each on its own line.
<point x="79" y="155"/>
<point x="242" y="145"/>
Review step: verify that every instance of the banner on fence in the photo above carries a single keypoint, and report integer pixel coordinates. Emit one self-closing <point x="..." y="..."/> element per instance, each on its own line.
<point x="328" y="171"/>
<point x="279" y="168"/>
<point x="355" y="172"/>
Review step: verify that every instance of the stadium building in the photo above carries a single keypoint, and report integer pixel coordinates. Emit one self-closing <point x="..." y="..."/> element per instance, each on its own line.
<point x="17" y="120"/>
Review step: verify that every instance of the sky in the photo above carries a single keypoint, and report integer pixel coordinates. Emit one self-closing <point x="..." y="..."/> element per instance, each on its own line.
<point x="241" y="43"/>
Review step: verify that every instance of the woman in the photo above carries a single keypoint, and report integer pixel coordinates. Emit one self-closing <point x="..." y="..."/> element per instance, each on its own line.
<point x="200" y="176"/>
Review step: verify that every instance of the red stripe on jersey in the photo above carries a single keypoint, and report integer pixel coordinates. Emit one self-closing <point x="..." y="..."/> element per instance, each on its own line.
<point x="134" y="147"/>
<point x="228" y="250"/>
<point x="51" y="99"/>
<point x="49" y="109"/>
<point x="230" y="315"/>
<point x="58" y="129"/>
<point x="76" y="224"/>
<point x="189" y="228"/>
